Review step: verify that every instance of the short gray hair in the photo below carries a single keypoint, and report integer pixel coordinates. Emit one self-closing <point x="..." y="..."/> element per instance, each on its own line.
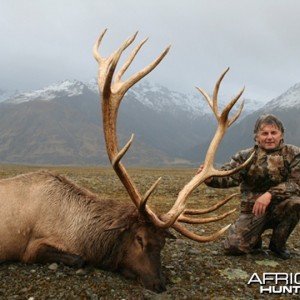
<point x="267" y="119"/>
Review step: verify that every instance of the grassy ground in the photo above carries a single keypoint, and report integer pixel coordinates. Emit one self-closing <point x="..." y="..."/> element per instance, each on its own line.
<point x="193" y="270"/>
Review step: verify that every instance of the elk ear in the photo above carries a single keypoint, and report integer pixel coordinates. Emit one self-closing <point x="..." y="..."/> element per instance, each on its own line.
<point x="169" y="235"/>
<point x="117" y="224"/>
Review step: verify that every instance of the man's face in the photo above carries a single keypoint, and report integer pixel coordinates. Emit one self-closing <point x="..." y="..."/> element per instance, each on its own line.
<point x="269" y="136"/>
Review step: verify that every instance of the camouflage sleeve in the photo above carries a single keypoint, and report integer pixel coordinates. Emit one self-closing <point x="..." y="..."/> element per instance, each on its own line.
<point x="234" y="179"/>
<point x="291" y="186"/>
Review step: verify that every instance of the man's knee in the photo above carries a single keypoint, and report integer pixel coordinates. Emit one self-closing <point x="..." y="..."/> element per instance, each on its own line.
<point x="290" y="204"/>
<point x="289" y="208"/>
<point x="232" y="246"/>
<point x="233" y="250"/>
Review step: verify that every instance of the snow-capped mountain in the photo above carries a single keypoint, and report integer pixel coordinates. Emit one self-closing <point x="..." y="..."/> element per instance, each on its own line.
<point x="61" y="124"/>
<point x="64" y="88"/>
<point x="153" y="96"/>
<point x="289" y="99"/>
<point x="161" y="99"/>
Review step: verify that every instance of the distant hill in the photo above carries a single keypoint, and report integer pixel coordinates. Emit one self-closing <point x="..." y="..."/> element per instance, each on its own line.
<point x="61" y="124"/>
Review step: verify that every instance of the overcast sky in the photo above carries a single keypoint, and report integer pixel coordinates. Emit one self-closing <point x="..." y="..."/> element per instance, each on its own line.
<point x="46" y="41"/>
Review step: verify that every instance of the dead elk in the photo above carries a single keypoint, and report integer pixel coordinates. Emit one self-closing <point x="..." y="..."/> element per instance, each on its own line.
<point x="46" y="218"/>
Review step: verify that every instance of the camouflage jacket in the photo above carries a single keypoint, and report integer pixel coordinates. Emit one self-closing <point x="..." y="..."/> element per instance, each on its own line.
<point x="276" y="171"/>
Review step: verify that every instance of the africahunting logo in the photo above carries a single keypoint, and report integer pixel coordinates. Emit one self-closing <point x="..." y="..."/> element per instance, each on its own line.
<point x="276" y="283"/>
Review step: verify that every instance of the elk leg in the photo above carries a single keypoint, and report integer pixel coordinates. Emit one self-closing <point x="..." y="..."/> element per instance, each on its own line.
<point x="48" y="254"/>
<point x="41" y="251"/>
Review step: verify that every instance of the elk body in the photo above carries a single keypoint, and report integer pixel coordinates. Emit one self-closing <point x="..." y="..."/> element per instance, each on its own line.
<point x="46" y="218"/>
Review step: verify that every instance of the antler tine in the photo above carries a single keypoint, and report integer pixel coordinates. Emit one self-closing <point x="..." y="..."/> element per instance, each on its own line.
<point x="115" y="57"/>
<point x="216" y="91"/>
<point x="113" y="91"/>
<point x="227" y="109"/>
<point x="107" y="66"/>
<point x="96" y="54"/>
<point x="184" y="219"/>
<point x="209" y="209"/>
<point x="213" y="103"/>
<point x="190" y="220"/>
<point x="235" y="117"/>
<point x="196" y="237"/>
<point x="148" y="194"/>
<point x="142" y="73"/>
<point x="209" y="101"/>
<point x="116" y="160"/>
<point x="130" y="60"/>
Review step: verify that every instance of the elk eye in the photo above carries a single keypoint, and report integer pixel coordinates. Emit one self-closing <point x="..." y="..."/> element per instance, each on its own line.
<point x="140" y="241"/>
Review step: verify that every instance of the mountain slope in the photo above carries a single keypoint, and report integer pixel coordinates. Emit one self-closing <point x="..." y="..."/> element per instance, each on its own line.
<point x="61" y="124"/>
<point x="286" y="107"/>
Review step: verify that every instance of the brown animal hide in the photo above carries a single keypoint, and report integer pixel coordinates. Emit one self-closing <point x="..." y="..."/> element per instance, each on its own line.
<point x="44" y="218"/>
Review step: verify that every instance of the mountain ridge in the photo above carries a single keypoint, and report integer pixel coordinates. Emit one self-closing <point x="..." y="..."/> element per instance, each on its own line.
<point x="61" y="124"/>
<point x="142" y="92"/>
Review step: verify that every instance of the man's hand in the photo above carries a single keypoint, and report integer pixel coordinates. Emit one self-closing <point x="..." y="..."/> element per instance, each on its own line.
<point x="261" y="204"/>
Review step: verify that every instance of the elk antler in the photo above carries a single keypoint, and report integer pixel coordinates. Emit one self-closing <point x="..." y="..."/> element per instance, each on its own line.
<point x="113" y="89"/>
<point x="176" y="214"/>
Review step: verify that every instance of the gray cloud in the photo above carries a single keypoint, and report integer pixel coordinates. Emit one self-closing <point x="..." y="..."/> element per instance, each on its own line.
<point x="47" y="41"/>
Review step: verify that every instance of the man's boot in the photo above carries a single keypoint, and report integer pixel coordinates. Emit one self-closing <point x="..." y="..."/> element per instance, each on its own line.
<point x="281" y="252"/>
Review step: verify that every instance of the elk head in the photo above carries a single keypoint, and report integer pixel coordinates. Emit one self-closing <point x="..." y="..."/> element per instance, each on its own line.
<point x="112" y="89"/>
